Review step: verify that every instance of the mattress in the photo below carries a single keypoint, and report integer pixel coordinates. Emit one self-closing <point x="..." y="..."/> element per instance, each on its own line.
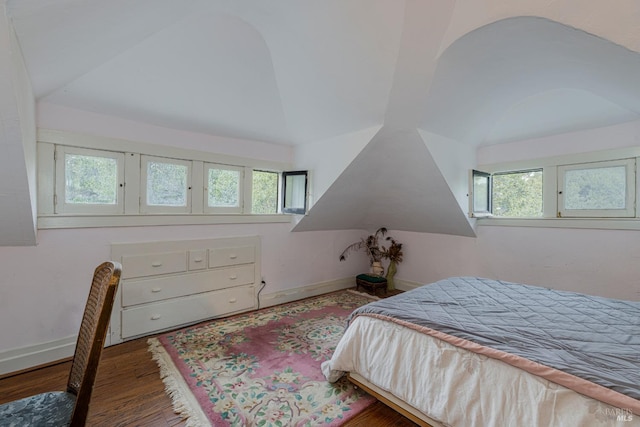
<point x="459" y="388"/>
<point x="588" y="346"/>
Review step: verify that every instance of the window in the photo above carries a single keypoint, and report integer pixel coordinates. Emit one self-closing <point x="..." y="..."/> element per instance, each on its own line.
<point x="600" y="185"/>
<point x="223" y="188"/>
<point x="517" y="194"/>
<point x="294" y="192"/>
<point x="598" y="189"/>
<point x="481" y="193"/>
<point x="512" y="194"/>
<point x="89" y="181"/>
<point x="82" y="185"/>
<point x="264" y="197"/>
<point x="166" y="185"/>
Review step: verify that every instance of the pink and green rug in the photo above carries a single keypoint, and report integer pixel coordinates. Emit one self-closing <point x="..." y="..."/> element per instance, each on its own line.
<point x="261" y="368"/>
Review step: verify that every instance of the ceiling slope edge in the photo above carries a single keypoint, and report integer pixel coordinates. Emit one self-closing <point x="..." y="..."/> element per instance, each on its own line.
<point x="394" y="182"/>
<point x="17" y="143"/>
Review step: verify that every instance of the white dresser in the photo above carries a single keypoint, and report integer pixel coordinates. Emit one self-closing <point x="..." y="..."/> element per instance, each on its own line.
<point x="174" y="283"/>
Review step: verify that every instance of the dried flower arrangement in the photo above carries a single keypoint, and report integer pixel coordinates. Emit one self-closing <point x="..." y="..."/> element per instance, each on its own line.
<point x="376" y="252"/>
<point x="394" y="253"/>
<point x="371" y="246"/>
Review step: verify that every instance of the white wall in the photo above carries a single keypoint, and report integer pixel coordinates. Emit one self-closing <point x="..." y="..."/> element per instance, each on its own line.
<point x="43" y="288"/>
<point x="327" y="159"/>
<point x="598" y="262"/>
<point x="454" y="161"/>
<point x="51" y="116"/>
<point x="595" y="262"/>
<point x="610" y="137"/>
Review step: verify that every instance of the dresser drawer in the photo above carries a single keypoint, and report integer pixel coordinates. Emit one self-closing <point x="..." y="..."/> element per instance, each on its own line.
<point x="141" y="291"/>
<point x="180" y="311"/>
<point x="153" y="264"/>
<point x="231" y="256"/>
<point x="198" y="259"/>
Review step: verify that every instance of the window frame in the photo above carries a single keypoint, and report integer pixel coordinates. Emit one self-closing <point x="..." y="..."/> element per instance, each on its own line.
<point x="145" y="208"/>
<point x="48" y="141"/>
<point x="549" y="166"/>
<point x="285" y="196"/>
<point x="630" y="190"/>
<point x="59" y="202"/>
<point x="473" y="212"/>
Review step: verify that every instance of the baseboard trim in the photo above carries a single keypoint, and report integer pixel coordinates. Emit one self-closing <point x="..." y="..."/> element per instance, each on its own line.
<point x="20" y="359"/>
<point x="289" y="295"/>
<point x="294" y="294"/>
<point x="406" y="285"/>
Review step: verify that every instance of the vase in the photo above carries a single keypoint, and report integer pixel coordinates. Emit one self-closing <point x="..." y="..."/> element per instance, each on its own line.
<point x="376" y="268"/>
<point x="391" y="271"/>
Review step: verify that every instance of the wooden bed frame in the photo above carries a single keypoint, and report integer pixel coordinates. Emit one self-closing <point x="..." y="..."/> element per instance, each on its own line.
<point x="392" y="401"/>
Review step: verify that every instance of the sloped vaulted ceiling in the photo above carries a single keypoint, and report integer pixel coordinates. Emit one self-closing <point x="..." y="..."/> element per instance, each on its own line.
<point x="513" y="79"/>
<point x="541" y="75"/>
<point x="299" y="73"/>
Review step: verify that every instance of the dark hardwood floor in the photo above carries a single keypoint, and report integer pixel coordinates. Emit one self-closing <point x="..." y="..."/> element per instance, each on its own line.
<point x="129" y="391"/>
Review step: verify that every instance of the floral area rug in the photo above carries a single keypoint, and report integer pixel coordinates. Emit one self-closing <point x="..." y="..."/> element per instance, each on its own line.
<point x="262" y="368"/>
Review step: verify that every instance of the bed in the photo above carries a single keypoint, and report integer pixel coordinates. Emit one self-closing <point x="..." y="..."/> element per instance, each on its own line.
<point x="470" y="351"/>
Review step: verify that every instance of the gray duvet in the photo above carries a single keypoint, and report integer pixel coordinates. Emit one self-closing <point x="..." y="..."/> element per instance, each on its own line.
<point x="594" y="338"/>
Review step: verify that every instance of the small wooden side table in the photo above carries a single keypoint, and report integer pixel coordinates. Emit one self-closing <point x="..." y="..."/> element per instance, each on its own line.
<point x="371" y="283"/>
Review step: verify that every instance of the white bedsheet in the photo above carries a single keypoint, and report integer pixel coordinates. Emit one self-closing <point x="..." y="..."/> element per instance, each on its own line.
<point x="458" y="387"/>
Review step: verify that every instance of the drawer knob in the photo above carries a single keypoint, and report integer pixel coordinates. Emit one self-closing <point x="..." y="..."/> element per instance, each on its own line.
<point x="232" y="300"/>
<point x="233" y="256"/>
<point x="197" y="260"/>
<point x="234" y="277"/>
<point x="156" y="264"/>
<point x="156" y="290"/>
<point x="155" y="317"/>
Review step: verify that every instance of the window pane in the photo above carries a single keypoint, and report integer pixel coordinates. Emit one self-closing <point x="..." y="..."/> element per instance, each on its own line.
<point x="481" y="188"/>
<point x="265" y="192"/>
<point x="517" y="194"/>
<point x="91" y="179"/>
<point x="166" y="184"/>
<point x="224" y="188"/>
<point x="595" y="188"/>
<point x="295" y="192"/>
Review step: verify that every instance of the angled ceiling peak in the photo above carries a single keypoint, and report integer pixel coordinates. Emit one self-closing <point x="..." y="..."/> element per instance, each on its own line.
<point x="394" y="182"/>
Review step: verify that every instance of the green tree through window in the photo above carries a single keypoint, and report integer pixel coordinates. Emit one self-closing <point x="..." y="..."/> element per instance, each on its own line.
<point x="224" y="188"/>
<point x="90" y="179"/>
<point x="166" y="184"/>
<point x="517" y="194"/>
<point x="264" y="199"/>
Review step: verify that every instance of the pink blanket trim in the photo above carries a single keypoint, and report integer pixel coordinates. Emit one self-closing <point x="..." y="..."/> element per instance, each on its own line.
<point x="572" y="382"/>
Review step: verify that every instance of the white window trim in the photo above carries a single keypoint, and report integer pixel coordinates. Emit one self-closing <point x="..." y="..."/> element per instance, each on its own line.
<point x="48" y="140"/>
<point x="161" y="209"/>
<point x="630" y="205"/>
<point x="241" y="189"/>
<point x="60" y="204"/>
<point x="550" y="200"/>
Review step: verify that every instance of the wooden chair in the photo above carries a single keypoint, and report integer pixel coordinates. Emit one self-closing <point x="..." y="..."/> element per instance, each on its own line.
<point x="70" y="407"/>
